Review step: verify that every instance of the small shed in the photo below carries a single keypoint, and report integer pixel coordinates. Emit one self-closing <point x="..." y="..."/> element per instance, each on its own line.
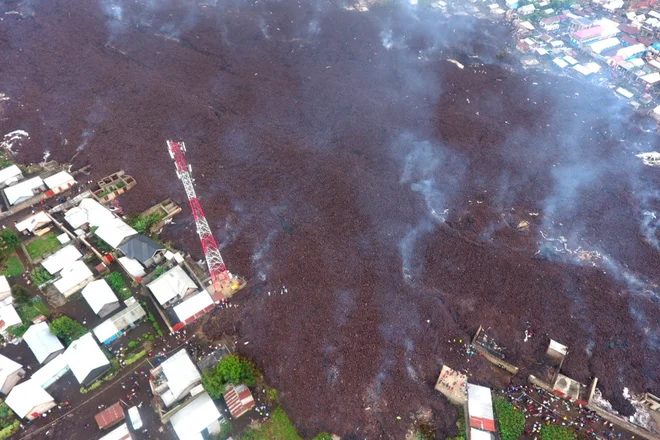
<point x="239" y="400"/>
<point x="42" y="342"/>
<point x="110" y="416"/>
<point x="132" y="267"/>
<point x="100" y="297"/>
<point x="557" y="350"/>
<point x="28" y="400"/>
<point x="10" y="374"/>
<point x="5" y="290"/>
<point x="86" y="359"/>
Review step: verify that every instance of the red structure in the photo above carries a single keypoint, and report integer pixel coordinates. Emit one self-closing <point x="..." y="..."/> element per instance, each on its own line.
<point x="220" y="276"/>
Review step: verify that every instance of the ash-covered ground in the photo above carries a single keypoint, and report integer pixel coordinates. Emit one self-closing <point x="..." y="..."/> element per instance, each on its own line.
<point x="339" y="153"/>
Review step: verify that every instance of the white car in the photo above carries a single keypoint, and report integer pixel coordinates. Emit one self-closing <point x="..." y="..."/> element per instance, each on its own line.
<point x="134" y="415"/>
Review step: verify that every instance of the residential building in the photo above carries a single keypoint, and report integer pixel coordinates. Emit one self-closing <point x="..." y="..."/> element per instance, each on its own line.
<point x="115" y="326"/>
<point x="173" y="379"/>
<point x="198" y="419"/>
<point x="88" y="214"/>
<point x="28" y="400"/>
<point x="239" y="400"/>
<point x="44" y="344"/>
<point x="24" y="190"/>
<point x="10" y="175"/>
<point x="5" y="290"/>
<point x="74" y="277"/>
<point x="115" y="232"/>
<point x="37" y="224"/>
<point x="60" y="259"/>
<point x="192" y="308"/>
<point x="480" y="408"/>
<point x="110" y="416"/>
<point x="10" y="374"/>
<point x="143" y="249"/>
<point x="8" y="316"/>
<point x="51" y="372"/>
<point x="86" y="360"/>
<point x="172" y="286"/>
<point x="119" y="433"/>
<point x="100" y="297"/>
<point x="59" y="182"/>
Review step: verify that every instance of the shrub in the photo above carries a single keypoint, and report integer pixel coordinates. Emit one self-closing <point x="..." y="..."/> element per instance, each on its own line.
<point x="557" y="432"/>
<point x="39" y="276"/>
<point x="511" y="421"/>
<point x="117" y="283"/>
<point x="132" y="344"/>
<point x="8" y="241"/>
<point x="10" y="430"/>
<point x="21" y="294"/>
<point x="67" y="329"/>
<point x="19" y="330"/>
<point x="136" y="357"/>
<point x="143" y="223"/>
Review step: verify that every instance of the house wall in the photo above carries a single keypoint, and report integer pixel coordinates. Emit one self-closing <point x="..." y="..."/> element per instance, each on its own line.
<point x="75" y="289"/>
<point x="95" y="374"/>
<point x="12" y="380"/>
<point x="52" y="356"/>
<point x="40" y="409"/>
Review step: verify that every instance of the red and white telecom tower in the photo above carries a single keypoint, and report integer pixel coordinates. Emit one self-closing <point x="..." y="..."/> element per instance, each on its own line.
<point x="224" y="283"/>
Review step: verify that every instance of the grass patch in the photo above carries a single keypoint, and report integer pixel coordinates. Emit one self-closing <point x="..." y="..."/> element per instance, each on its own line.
<point x="279" y="426"/>
<point x="12" y="267"/>
<point x="135" y="357"/>
<point x="557" y="432"/>
<point x="510" y="420"/>
<point x="42" y="245"/>
<point x="118" y="284"/>
<point x="460" y="424"/>
<point x="31" y="309"/>
<point x="40" y="276"/>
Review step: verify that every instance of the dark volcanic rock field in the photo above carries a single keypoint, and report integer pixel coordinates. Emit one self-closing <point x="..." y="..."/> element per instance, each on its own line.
<point x="340" y="154"/>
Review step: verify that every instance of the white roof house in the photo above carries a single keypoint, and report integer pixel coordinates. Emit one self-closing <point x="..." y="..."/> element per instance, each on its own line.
<point x="100" y="297"/>
<point x="480" y="407"/>
<point x="180" y="375"/>
<point x="119" y="433"/>
<point x="193" y="305"/>
<point x="86" y="360"/>
<point x="29" y="400"/>
<point x="24" y="190"/>
<point x="88" y="211"/>
<point x="132" y="266"/>
<point x="5" y="290"/>
<point x="32" y="222"/>
<point x="49" y="373"/>
<point x="10" y="373"/>
<point x="8" y="315"/>
<point x="114" y="232"/>
<point x="73" y="277"/>
<point x="175" y="283"/>
<point x="198" y="415"/>
<point x="60" y="181"/>
<point x="42" y="342"/>
<point x="10" y="175"/>
<point x="60" y="259"/>
<point x="113" y="327"/>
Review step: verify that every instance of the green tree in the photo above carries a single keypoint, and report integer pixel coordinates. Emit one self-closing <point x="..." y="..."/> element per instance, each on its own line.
<point x="556" y="432"/>
<point x="8" y="241"/>
<point x="232" y="369"/>
<point x="21" y="294"/>
<point x="511" y="421"/>
<point x="67" y="329"/>
<point x="39" y="275"/>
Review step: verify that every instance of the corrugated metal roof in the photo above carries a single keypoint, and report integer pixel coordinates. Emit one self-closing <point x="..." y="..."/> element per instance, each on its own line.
<point x="41" y="341"/>
<point x="84" y="356"/>
<point x="110" y="416"/>
<point x="141" y="248"/>
<point x="193" y="305"/>
<point x="120" y="321"/>
<point x="60" y="259"/>
<point x="239" y="400"/>
<point x="175" y="282"/>
<point x="59" y="179"/>
<point x="53" y="368"/>
<point x="480" y="408"/>
<point x="72" y="275"/>
<point x="26" y="396"/>
<point x="11" y="172"/>
<point x="97" y="294"/>
<point x="119" y="433"/>
<point x="23" y="190"/>
<point x="190" y="421"/>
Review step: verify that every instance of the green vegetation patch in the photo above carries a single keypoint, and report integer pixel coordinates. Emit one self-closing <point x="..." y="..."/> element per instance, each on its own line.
<point x="511" y="421"/>
<point x="39" y="276"/>
<point x="557" y="432"/>
<point x="279" y="426"/>
<point x="12" y="266"/>
<point x="232" y="369"/>
<point x="143" y="223"/>
<point x="42" y="245"/>
<point x="67" y="329"/>
<point x="135" y="357"/>
<point x="118" y="284"/>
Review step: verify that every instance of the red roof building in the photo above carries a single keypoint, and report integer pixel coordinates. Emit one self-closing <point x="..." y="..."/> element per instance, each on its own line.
<point x="110" y="416"/>
<point x="632" y="30"/>
<point x="630" y="41"/>
<point x="239" y="400"/>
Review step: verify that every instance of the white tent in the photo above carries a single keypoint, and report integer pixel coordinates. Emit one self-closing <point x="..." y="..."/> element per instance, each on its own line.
<point x="173" y="283"/>
<point x="42" y="342"/>
<point x="98" y="294"/>
<point x="195" y="417"/>
<point x="61" y="259"/>
<point x="84" y="357"/>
